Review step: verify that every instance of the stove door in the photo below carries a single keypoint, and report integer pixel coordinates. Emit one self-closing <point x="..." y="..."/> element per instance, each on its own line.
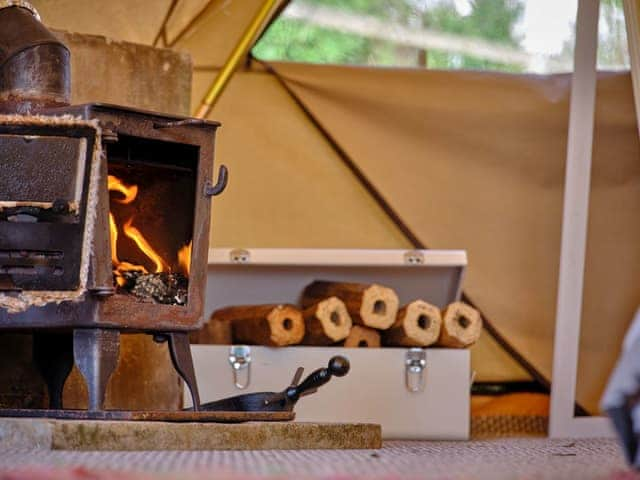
<point x="44" y="182"/>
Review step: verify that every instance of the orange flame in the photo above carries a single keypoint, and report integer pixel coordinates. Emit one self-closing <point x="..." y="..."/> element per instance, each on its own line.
<point x="119" y="266"/>
<point x="115" y="185"/>
<point x="113" y="234"/>
<point x="126" y="267"/>
<point x="130" y="193"/>
<point x="184" y="258"/>
<point x="134" y="234"/>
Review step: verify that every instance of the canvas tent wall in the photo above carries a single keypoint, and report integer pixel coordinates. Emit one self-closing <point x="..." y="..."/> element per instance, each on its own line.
<point x="466" y="160"/>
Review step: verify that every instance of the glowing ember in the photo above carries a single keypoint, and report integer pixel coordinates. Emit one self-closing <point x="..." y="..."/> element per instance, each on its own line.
<point x="184" y="258"/>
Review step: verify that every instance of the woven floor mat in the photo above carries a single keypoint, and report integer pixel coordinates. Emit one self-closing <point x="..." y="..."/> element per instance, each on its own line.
<point x="496" y="426"/>
<point x="497" y="459"/>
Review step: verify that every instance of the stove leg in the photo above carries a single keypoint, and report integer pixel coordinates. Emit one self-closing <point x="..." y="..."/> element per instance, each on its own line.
<point x="53" y="357"/>
<point x="96" y="353"/>
<point x="183" y="363"/>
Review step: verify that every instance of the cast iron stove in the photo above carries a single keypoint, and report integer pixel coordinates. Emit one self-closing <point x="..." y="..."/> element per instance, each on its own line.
<point x="104" y="221"/>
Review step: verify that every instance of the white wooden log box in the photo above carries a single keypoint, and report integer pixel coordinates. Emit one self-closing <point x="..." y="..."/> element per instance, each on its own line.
<point x="386" y="385"/>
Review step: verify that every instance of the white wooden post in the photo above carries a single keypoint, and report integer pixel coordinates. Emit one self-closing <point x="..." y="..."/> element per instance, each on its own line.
<point x="574" y="233"/>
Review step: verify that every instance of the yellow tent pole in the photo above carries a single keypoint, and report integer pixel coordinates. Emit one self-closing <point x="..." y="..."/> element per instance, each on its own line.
<point x="237" y="54"/>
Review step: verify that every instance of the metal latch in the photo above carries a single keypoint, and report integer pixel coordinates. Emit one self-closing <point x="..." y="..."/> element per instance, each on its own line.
<point x="240" y="255"/>
<point x="414" y="257"/>
<point x="240" y="360"/>
<point x="415" y="364"/>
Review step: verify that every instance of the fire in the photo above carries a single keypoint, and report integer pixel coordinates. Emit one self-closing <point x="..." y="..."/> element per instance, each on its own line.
<point x="129" y="193"/>
<point x="115" y="185"/>
<point x="119" y="266"/>
<point x="134" y="234"/>
<point x="184" y="258"/>
<point x="113" y="234"/>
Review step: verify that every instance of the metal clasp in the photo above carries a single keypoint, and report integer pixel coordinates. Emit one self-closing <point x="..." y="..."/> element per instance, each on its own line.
<point x="414" y="257"/>
<point x="415" y="363"/>
<point x="240" y="255"/>
<point x="240" y="360"/>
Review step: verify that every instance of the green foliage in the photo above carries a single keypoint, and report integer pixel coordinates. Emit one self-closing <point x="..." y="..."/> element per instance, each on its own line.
<point x="613" y="53"/>
<point x="491" y="20"/>
<point x="296" y="41"/>
<point x="613" y="39"/>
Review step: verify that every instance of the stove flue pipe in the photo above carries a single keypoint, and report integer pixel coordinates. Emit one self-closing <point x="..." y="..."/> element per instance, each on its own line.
<point x="34" y="64"/>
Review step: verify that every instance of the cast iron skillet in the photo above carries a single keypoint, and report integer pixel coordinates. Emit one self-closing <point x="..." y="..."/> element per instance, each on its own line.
<point x="281" y="401"/>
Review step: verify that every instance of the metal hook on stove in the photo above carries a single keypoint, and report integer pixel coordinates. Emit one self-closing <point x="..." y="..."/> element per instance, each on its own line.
<point x="223" y="177"/>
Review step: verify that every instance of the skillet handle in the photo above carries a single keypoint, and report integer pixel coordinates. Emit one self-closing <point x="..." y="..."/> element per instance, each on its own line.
<point x="338" y="366"/>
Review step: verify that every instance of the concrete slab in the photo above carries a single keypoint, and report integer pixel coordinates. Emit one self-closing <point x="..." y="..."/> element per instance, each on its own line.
<point x="142" y="436"/>
<point x="25" y="434"/>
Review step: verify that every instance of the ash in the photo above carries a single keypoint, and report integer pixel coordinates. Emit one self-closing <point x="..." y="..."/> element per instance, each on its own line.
<point x="165" y="288"/>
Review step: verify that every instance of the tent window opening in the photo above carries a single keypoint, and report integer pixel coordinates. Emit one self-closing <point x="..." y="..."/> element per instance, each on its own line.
<point x="516" y="36"/>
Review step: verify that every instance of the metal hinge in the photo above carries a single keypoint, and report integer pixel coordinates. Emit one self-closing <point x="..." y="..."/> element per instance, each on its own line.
<point x="414" y="257"/>
<point x="415" y="364"/>
<point x="240" y="361"/>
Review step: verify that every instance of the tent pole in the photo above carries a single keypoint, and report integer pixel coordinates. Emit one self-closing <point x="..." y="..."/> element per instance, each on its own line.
<point x="236" y="55"/>
<point x="575" y="221"/>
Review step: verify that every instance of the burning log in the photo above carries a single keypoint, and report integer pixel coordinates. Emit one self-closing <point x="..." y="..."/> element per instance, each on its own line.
<point x="272" y="325"/>
<point x="418" y="325"/>
<point x="362" y="337"/>
<point x="373" y="306"/>
<point x="166" y="288"/>
<point x="461" y="326"/>
<point x="326" y="322"/>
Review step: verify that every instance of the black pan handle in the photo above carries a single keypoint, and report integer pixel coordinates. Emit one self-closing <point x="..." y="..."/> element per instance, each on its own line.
<point x="338" y="367"/>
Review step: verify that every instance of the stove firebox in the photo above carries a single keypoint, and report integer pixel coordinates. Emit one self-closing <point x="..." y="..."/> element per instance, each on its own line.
<point x="104" y="218"/>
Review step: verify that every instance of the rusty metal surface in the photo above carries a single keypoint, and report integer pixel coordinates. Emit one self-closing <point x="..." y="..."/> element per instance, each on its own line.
<point x="34" y="64"/>
<point x="180" y="351"/>
<point x="112" y="72"/>
<point x="151" y="416"/>
<point x="41" y="249"/>
<point x="23" y="172"/>
<point x="126" y="311"/>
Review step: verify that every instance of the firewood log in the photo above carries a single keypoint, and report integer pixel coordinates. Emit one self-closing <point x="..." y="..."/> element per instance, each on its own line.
<point x="362" y="337"/>
<point x="271" y="325"/>
<point x="461" y="326"/>
<point x="214" y="332"/>
<point x="326" y="322"/>
<point x="418" y="324"/>
<point x="372" y="306"/>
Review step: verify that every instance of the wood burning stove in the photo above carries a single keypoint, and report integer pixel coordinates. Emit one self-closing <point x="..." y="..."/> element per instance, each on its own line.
<point x="104" y="218"/>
